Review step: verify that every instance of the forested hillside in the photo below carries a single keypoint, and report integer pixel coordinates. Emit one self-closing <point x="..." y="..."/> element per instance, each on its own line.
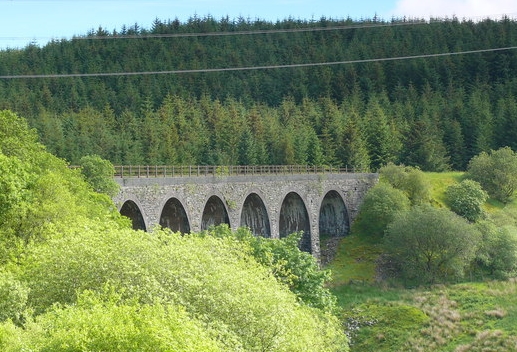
<point x="435" y="112"/>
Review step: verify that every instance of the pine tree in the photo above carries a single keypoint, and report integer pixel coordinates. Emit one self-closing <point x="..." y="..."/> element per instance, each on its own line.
<point x="381" y="137"/>
<point x="353" y="150"/>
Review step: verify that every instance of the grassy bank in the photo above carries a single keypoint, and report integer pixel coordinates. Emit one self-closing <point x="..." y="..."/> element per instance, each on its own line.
<point x="468" y="316"/>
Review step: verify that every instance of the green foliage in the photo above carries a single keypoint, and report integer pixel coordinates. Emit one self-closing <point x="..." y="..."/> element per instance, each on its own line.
<point x="215" y="279"/>
<point x="381" y="136"/>
<point x="297" y="269"/>
<point x="76" y="277"/>
<point x="168" y="294"/>
<point x="467" y="199"/>
<point x="40" y="196"/>
<point x="13" y="298"/>
<point x="354" y="151"/>
<point x="16" y="138"/>
<point x="497" y="253"/>
<point x="410" y="180"/>
<point x="105" y="323"/>
<point x="13" y="187"/>
<point x="428" y="113"/>
<point x="430" y="245"/>
<point x="496" y="171"/>
<point x="380" y="206"/>
<point x="99" y="174"/>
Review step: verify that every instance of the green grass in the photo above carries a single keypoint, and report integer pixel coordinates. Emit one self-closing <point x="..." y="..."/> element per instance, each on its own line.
<point x="460" y="317"/>
<point x="355" y="260"/>
<point x="440" y="181"/>
<point x="471" y="316"/>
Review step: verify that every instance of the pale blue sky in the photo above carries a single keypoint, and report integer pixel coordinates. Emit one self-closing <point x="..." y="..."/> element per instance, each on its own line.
<point x="23" y="21"/>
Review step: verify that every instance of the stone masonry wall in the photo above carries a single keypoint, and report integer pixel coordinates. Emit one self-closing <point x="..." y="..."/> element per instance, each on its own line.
<point x="151" y="194"/>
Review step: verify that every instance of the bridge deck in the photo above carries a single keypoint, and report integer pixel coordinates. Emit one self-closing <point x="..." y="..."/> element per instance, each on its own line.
<point x="145" y="171"/>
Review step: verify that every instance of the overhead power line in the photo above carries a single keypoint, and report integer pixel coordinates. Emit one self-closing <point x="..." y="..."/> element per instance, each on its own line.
<point x="365" y="24"/>
<point x="251" y="68"/>
<point x="232" y="33"/>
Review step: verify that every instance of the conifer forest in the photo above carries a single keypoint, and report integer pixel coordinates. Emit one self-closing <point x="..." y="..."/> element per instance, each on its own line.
<point x="430" y="94"/>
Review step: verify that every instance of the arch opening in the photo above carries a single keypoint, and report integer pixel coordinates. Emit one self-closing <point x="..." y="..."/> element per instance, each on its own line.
<point x="333" y="224"/>
<point x="214" y="213"/>
<point x="294" y="218"/>
<point x="174" y="216"/>
<point x="254" y="215"/>
<point x="132" y="211"/>
<point x="333" y="216"/>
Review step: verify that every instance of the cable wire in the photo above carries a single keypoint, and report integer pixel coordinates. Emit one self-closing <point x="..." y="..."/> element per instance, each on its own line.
<point x="250" y="68"/>
<point x="365" y="24"/>
<point x="230" y="33"/>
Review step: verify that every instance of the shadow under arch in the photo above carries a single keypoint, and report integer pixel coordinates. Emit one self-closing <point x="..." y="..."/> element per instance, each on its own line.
<point x="333" y="217"/>
<point x="214" y="213"/>
<point x="254" y="216"/>
<point x="294" y="218"/>
<point x="131" y="210"/>
<point x="174" y="216"/>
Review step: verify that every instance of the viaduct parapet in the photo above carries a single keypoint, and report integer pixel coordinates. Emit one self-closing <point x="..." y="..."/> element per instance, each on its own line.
<point x="271" y="205"/>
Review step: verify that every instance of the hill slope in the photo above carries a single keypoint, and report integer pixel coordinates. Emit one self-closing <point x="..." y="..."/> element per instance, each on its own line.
<point x="469" y="316"/>
<point x="435" y="112"/>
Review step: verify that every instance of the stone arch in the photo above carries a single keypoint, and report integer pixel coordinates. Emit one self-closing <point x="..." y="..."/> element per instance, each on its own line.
<point x="293" y="218"/>
<point x="214" y="213"/>
<point x="334" y="220"/>
<point x="174" y="216"/>
<point x="131" y="210"/>
<point x="255" y="216"/>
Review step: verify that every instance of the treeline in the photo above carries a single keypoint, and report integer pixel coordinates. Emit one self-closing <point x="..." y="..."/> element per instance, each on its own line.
<point x="433" y="112"/>
<point x="431" y="130"/>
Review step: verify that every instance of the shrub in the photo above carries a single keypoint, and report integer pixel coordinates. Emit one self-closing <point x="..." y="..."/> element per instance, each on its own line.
<point x="431" y="245"/>
<point x="408" y="179"/>
<point x="497" y="254"/>
<point x="466" y="199"/>
<point x="496" y="172"/>
<point x="297" y="269"/>
<point x="99" y="173"/>
<point x="98" y="323"/>
<point x="13" y="298"/>
<point x="379" y="208"/>
<point x="216" y="280"/>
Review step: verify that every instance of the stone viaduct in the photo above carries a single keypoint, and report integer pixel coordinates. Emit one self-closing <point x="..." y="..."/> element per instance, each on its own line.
<point x="271" y="201"/>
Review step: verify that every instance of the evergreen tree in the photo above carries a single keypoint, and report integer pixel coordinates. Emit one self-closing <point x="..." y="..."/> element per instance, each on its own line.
<point x="382" y="139"/>
<point x="353" y="150"/>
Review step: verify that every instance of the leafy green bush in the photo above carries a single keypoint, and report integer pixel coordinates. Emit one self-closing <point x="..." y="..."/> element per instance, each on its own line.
<point x="497" y="254"/>
<point x="297" y="269"/>
<point x="496" y="172"/>
<point x="101" y="322"/>
<point x="216" y="280"/>
<point x="379" y="208"/>
<point x="13" y="298"/>
<point x="408" y="179"/>
<point x="466" y="199"/>
<point x="39" y="195"/>
<point x="99" y="174"/>
<point x="431" y="245"/>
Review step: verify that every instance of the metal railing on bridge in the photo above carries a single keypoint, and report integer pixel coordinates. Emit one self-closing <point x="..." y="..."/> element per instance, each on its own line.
<point x="144" y="171"/>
